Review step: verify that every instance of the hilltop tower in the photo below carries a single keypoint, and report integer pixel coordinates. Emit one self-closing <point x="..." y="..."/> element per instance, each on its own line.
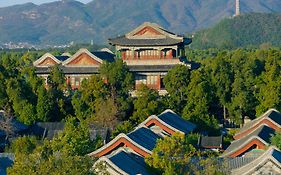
<point x="237" y="8"/>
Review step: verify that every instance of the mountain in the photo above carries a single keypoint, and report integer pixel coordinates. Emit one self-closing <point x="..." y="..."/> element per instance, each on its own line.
<point x="68" y="20"/>
<point x="255" y="29"/>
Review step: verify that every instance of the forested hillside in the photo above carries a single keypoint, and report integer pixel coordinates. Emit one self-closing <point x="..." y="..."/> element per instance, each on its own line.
<point x="249" y="30"/>
<point x="65" y="21"/>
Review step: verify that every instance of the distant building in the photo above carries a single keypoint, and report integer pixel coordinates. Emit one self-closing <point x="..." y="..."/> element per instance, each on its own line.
<point x="237" y="7"/>
<point x="150" y="51"/>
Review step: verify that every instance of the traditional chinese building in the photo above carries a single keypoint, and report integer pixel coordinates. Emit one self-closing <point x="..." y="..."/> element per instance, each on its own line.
<point x="125" y="153"/>
<point x="143" y="139"/>
<point x="80" y="66"/>
<point x="265" y="162"/>
<point x="255" y="135"/>
<point x="271" y="118"/>
<point x="150" y="51"/>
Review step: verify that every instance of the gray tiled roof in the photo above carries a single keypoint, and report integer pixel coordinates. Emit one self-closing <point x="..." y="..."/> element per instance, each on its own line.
<point x="150" y="68"/>
<point x="258" y="165"/>
<point x="237" y="162"/>
<point x="271" y="114"/>
<point x="144" y="137"/>
<point x="17" y="126"/>
<point x="104" y="55"/>
<point x="46" y="129"/>
<point x="6" y="160"/>
<point x="97" y="131"/>
<point x="62" y="57"/>
<point x="174" y="120"/>
<point x="263" y="132"/>
<point x="129" y="162"/>
<point x="211" y="142"/>
<point x="80" y="70"/>
<point x="275" y="116"/>
<point x="69" y="70"/>
<point x="124" y="41"/>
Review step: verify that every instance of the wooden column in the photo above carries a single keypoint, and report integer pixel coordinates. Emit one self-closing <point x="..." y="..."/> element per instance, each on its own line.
<point x="158" y="82"/>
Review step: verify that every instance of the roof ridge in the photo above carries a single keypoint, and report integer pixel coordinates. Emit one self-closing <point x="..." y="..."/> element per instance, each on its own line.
<point x="245" y="140"/>
<point x="259" y="160"/>
<point x="257" y="120"/>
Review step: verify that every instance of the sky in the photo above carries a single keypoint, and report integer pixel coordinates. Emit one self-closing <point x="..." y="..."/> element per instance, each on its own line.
<point x="5" y="3"/>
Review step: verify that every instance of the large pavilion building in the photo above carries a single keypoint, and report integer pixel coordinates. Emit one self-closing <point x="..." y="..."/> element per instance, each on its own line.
<point x="150" y="51"/>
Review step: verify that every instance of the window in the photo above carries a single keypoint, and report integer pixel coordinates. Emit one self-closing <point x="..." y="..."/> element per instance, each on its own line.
<point x="141" y="79"/>
<point x="72" y="81"/>
<point x="77" y="81"/>
<point x="152" y="79"/>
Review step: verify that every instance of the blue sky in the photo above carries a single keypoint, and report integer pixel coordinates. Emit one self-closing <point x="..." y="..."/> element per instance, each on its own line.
<point x="5" y="3"/>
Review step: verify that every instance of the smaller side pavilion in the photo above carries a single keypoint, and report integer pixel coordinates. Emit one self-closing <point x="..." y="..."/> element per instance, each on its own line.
<point x="76" y="68"/>
<point x="271" y="118"/>
<point x="258" y="139"/>
<point x="143" y="139"/>
<point x="168" y="122"/>
<point x="269" y="162"/>
<point x="125" y="153"/>
<point x="210" y="142"/>
<point x="124" y="162"/>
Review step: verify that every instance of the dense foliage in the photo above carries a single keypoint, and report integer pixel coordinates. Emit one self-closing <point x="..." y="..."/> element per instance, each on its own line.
<point x="177" y="155"/>
<point x="248" y="30"/>
<point x="65" y="154"/>
<point x="228" y="85"/>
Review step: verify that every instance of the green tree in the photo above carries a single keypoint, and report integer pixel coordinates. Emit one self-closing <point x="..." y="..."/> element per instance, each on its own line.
<point x="124" y="127"/>
<point x="147" y="103"/>
<point x="106" y="113"/>
<point x="65" y="154"/>
<point x="56" y="79"/>
<point x="24" y="145"/>
<point x="176" y="83"/>
<point x="120" y="82"/>
<point x="243" y="101"/>
<point x="36" y="163"/>
<point x="222" y="78"/>
<point x="74" y="140"/>
<point x="199" y="101"/>
<point x="171" y="154"/>
<point x="176" y="155"/>
<point x="18" y="92"/>
<point x="276" y="140"/>
<point x="269" y="90"/>
<point x="56" y="87"/>
<point x="84" y="100"/>
<point x="44" y="105"/>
